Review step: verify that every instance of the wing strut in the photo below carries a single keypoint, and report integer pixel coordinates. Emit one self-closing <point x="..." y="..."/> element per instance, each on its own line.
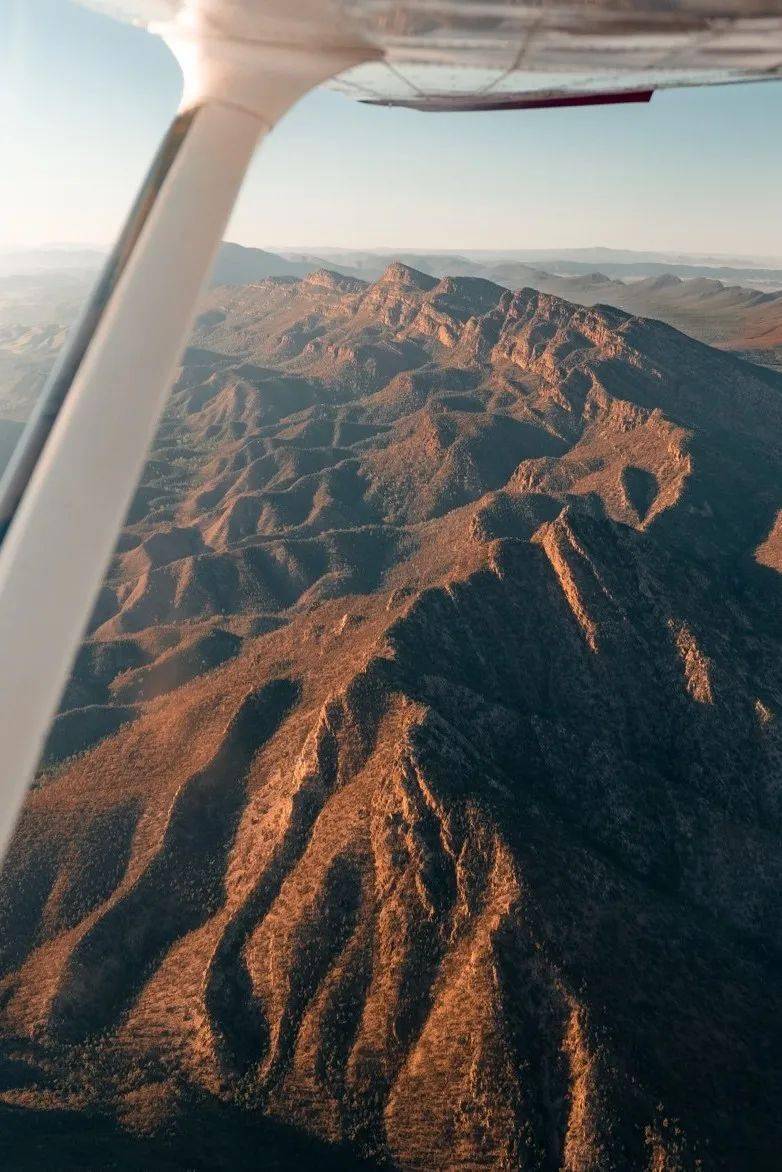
<point x="70" y="488"/>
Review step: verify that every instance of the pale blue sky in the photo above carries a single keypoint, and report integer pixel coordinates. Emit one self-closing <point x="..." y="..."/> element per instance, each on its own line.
<point x="83" y="102"/>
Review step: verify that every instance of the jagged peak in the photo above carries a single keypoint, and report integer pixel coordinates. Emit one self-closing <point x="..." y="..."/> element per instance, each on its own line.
<point x="330" y="279"/>
<point x="527" y="302"/>
<point x="409" y="278"/>
<point x="467" y="284"/>
<point x="473" y="295"/>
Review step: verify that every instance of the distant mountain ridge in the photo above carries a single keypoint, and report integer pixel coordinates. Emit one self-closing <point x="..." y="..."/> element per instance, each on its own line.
<point x="236" y="265"/>
<point x="240" y="264"/>
<point x="731" y="316"/>
<point x="56" y="282"/>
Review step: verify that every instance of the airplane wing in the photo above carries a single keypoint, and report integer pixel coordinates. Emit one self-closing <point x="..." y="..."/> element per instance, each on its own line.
<point x="495" y="54"/>
<point x="65" y="494"/>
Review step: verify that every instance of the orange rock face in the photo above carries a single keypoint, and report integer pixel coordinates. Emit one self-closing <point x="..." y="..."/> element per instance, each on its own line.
<point x="415" y="801"/>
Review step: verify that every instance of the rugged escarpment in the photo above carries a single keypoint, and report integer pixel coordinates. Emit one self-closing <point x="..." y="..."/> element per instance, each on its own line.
<point x="417" y="790"/>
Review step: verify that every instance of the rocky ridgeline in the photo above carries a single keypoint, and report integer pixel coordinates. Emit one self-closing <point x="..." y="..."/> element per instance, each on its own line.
<point x="418" y="785"/>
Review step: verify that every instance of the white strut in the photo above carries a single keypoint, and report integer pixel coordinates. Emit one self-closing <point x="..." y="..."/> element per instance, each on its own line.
<point x="74" y="496"/>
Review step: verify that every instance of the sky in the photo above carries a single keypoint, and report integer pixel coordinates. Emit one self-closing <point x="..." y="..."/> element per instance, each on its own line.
<point x="84" y="101"/>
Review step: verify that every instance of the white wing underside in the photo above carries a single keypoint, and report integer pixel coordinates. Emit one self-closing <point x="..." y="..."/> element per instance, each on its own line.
<point x="468" y="54"/>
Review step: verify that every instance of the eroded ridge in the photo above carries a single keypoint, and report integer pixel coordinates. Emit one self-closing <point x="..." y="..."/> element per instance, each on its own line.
<point x="416" y="792"/>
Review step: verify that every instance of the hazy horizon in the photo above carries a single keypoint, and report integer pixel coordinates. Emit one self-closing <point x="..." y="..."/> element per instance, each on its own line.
<point x="563" y="251"/>
<point x="85" y="100"/>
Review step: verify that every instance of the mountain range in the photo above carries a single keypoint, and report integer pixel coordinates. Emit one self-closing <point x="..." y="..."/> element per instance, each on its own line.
<point x="415" y="800"/>
<point x="45" y="291"/>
